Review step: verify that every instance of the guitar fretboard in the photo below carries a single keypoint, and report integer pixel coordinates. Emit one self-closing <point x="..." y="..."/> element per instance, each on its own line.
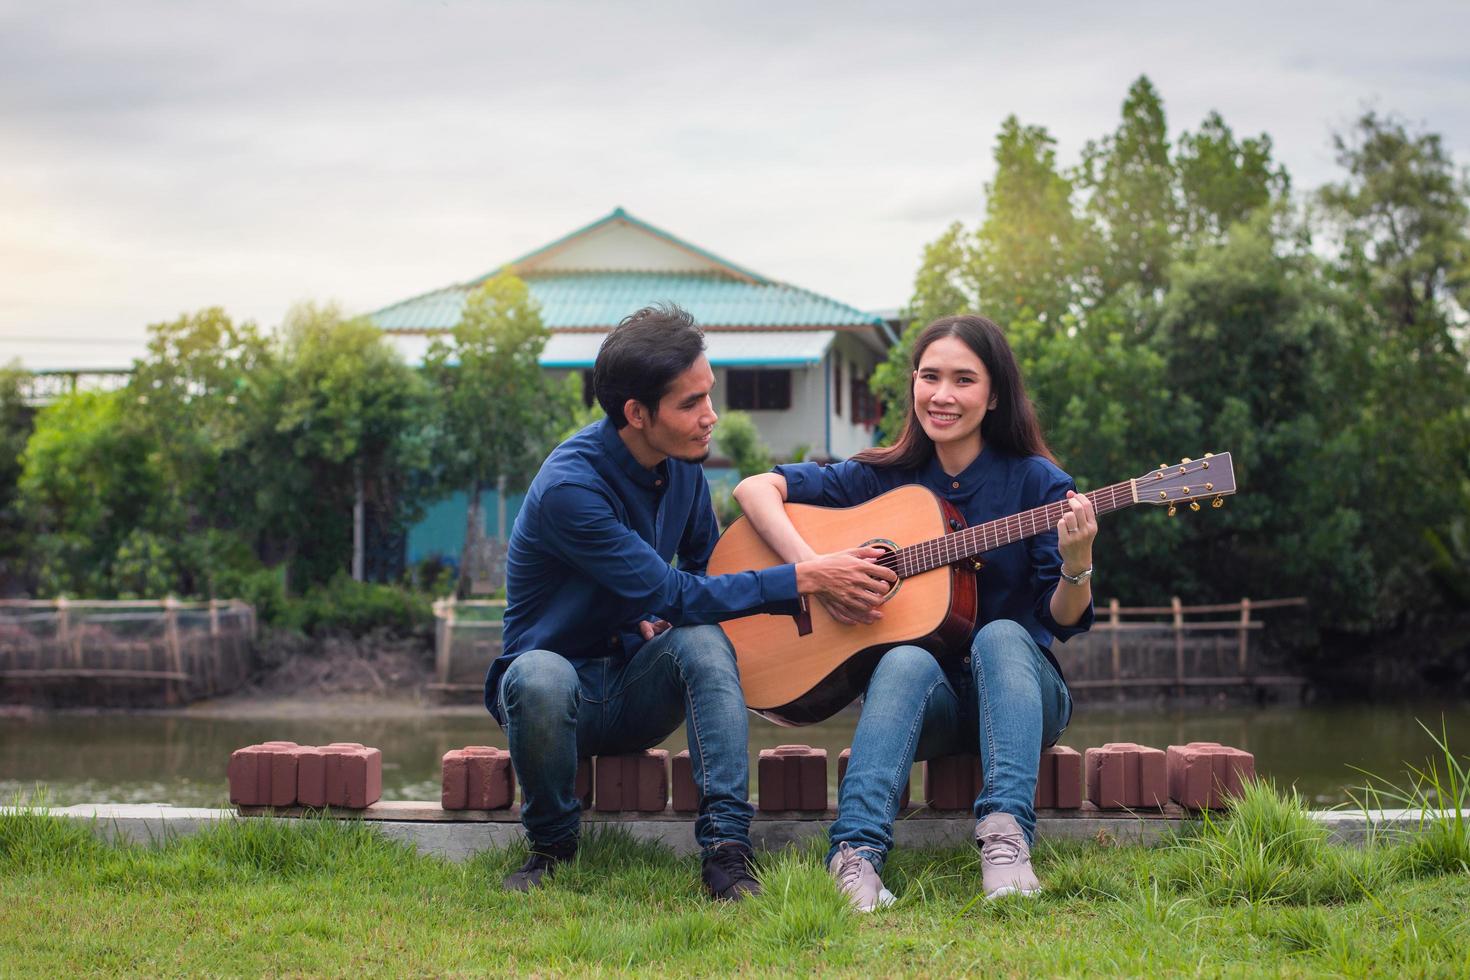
<point x="971" y="541"/>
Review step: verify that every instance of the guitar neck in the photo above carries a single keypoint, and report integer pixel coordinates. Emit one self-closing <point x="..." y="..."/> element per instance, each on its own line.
<point x="950" y="548"/>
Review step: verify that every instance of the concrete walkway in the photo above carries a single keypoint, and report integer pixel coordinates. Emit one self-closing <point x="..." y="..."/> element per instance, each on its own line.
<point x="458" y="836"/>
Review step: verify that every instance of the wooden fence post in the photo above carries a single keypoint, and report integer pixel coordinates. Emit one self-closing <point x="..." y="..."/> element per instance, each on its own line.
<point x="1115" y="619"/>
<point x="1245" y="628"/>
<point x="216" y="658"/>
<point x="63" y="628"/>
<point x="443" y="637"/>
<point x="1178" y="647"/>
<point x="171" y="642"/>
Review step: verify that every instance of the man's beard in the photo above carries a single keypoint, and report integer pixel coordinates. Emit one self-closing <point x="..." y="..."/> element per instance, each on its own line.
<point x="700" y="458"/>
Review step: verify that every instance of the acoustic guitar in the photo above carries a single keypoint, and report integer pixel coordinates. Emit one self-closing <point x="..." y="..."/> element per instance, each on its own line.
<point x="803" y="668"/>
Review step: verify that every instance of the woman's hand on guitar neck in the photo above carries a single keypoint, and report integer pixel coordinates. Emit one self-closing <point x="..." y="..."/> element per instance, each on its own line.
<point x="849" y="584"/>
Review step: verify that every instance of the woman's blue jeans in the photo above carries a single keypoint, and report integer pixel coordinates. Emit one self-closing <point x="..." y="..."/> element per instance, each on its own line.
<point x="556" y="712"/>
<point x="1006" y="702"/>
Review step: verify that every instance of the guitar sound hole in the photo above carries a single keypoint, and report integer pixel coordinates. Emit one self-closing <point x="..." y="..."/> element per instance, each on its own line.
<point x="887" y="547"/>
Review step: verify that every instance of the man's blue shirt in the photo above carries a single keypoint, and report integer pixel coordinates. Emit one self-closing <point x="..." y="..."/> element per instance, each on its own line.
<point x="1018" y="580"/>
<point x="590" y="556"/>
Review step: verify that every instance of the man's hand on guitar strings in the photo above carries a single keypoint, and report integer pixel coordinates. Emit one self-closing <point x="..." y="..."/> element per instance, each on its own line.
<point x="849" y="584"/>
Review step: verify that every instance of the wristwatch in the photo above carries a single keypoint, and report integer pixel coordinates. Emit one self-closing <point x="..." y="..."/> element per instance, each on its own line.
<point x="1080" y="577"/>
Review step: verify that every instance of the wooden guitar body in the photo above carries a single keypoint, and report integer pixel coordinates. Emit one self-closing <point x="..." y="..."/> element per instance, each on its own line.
<point x="797" y="670"/>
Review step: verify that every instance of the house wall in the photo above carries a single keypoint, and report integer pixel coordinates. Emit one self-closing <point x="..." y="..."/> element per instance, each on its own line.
<point x="620" y="246"/>
<point x="803" y="424"/>
<point x="848" y="357"/>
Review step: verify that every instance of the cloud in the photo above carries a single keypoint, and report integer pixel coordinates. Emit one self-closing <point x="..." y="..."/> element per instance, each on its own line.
<point x="157" y="156"/>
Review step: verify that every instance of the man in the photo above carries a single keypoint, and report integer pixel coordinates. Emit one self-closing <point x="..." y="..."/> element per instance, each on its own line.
<point x="592" y="664"/>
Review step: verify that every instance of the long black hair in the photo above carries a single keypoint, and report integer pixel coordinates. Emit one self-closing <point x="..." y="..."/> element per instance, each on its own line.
<point x="1010" y="426"/>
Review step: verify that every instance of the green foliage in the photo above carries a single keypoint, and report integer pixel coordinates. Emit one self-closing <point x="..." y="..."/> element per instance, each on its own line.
<point x="500" y="411"/>
<point x="225" y="454"/>
<point x="739" y="439"/>
<point x="1028" y="253"/>
<point x="88" y="481"/>
<point x="1449" y="553"/>
<point x="193" y="397"/>
<point x="352" y="419"/>
<point x="346" y="606"/>
<point x="582" y="415"/>
<point x="1224" y="181"/>
<point x="15" y="429"/>
<point x="1129" y="181"/>
<point x="1403" y="220"/>
<point x="1167" y="300"/>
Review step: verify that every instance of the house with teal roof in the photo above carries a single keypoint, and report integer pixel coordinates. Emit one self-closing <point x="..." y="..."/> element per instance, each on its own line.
<point x="797" y="361"/>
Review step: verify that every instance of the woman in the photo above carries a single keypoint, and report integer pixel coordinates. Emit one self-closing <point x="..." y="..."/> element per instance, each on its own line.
<point x="971" y="437"/>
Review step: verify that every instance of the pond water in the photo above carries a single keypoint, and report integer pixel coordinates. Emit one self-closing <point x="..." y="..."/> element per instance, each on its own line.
<point x="179" y="758"/>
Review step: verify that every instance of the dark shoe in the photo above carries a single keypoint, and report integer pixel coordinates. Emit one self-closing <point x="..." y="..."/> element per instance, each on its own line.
<point x="727" y="872"/>
<point x="539" y="865"/>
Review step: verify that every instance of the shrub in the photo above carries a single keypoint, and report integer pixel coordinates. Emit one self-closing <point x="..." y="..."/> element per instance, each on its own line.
<point x="739" y="439"/>
<point x="358" y="608"/>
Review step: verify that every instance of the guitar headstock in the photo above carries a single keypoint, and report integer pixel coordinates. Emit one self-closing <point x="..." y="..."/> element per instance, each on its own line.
<point x="1188" y="481"/>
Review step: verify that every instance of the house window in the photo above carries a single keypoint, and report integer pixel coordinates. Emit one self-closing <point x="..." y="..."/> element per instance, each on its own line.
<point x="837" y="384"/>
<point x="758" y="389"/>
<point x="865" y="407"/>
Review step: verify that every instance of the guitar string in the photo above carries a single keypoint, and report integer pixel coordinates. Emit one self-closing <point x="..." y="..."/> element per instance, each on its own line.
<point x="949" y="548"/>
<point x="956" y="546"/>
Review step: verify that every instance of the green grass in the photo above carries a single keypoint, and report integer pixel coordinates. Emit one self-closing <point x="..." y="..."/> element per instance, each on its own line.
<point x="1259" y="890"/>
<point x="1441" y="792"/>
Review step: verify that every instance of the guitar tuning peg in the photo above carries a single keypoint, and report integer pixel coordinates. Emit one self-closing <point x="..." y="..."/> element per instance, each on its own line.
<point x="1194" y="505"/>
<point x="1186" y="459"/>
<point x="1217" y="503"/>
<point x="1163" y="466"/>
<point x="1173" y="510"/>
<point x="1209" y="455"/>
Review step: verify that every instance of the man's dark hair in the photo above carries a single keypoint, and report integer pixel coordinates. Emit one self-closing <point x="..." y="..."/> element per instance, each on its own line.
<point x="642" y="356"/>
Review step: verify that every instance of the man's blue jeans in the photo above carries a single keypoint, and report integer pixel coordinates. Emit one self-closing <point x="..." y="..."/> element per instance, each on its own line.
<point x="1007" y="701"/>
<point x="556" y="712"/>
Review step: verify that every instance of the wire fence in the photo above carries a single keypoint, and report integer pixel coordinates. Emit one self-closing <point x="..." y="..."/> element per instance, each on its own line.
<point x="1130" y="650"/>
<point x="123" y="652"/>
<point x="466" y="640"/>
<point x="1175" y="649"/>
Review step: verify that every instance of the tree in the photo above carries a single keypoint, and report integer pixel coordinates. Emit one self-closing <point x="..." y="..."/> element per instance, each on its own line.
<point x="355" y="418"/>
<point x="945" y="285"/>
<point x="15" y="429"/>
<point x="88" y="480"/>
<point x="196" y="396"/>
<point x="500" y="411"/>
<point x="1222" y="181"/>
<point x="1402" y="221"/>
<point x="1130" y="183"/>
<point x="1027" y="253"/>
<point x="1254" y="335"/>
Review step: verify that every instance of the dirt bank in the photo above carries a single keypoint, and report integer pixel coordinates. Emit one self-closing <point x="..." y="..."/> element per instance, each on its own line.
<point x="335" y="677"/>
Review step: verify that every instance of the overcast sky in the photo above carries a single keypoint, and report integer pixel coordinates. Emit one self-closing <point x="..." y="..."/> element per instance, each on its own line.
<point x="158" y="157"/>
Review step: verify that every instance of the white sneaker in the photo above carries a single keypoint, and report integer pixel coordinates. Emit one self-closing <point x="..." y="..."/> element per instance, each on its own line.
<point x="1005" y="859"/>
<point x="858" y="879"/>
